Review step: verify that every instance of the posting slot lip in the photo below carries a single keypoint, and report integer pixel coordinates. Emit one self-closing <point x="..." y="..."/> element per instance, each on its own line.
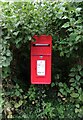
<point x="41" y="45"/>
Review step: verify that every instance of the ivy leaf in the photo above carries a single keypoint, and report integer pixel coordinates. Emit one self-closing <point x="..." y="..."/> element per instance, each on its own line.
<point x="6" y="62"/>
<point x="70" y="43"/>
<point x="17" y="93"/>
<point x="15" y="33"/>
<point x="65" y="17"/>
<point x="78" y="9"/>
<point x="18" y="23"/>
<point x="73" y="69"/>
<point x="72" y="74"/>
<point x="29" y="38"/>
<point x="71" y="88"/>
<point x="76" y="110"/>
<point x="18" y="40"/>
<point x="8" y="53"/>
<point x="79" y="67"/>
<point x="7" y="37"/>
<point x="73" y="84"/>
<point x="78" y="77"/>
<point x="6" y="72"/>
<point x="77" y="105"/>
<point x="61" y="53"/>
<point x="61" y="84"/>
<point x="81" y="73"/>
<point x="71" y="80"/>
<point x="74" y="95"/>
<point x="70" y="29"/>
<point x="66" y="25"/>
<point x="81" y="97"/>
<point x="53" y="84"/>
<point x="78" y="37"/>
<point x="17" y="105"/>
<point x="61" y="90"/>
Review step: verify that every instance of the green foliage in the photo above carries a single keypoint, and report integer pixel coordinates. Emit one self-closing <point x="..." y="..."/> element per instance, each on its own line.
<point x="63" y="99"/>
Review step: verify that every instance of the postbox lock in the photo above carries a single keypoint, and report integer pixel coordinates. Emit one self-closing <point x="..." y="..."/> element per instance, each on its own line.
<point x="41" y="56"/>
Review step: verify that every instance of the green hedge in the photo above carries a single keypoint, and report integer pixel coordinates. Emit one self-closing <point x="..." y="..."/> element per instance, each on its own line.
<point x="63" y="99"/>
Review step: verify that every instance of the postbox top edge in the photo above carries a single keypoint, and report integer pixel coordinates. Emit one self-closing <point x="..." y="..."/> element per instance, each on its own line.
<point x="42" y="39"/>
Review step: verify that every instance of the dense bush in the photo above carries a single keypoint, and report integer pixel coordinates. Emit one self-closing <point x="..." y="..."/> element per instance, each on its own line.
<point x="63" y="99"/>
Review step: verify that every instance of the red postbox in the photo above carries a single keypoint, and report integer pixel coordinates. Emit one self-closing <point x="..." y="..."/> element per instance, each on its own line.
<point x="41" y="53"/>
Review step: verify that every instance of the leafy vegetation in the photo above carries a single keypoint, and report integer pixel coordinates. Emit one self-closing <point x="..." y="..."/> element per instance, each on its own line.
<point x="63" y="99"/>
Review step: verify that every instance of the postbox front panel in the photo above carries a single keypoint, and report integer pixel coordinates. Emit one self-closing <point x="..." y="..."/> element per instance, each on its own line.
<point x="41" y="50"/>
<point x="41" y="69"/>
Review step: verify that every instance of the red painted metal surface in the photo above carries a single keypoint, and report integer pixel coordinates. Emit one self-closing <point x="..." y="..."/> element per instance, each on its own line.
<point x="41" y="53"/>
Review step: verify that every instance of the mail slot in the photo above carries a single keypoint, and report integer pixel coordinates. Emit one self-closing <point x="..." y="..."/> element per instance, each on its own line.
<point x="41" y="53"/>
<point x="41" y="45"/>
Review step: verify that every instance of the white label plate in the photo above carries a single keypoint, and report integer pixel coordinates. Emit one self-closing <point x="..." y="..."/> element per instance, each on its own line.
<point x="41" y="67"/>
